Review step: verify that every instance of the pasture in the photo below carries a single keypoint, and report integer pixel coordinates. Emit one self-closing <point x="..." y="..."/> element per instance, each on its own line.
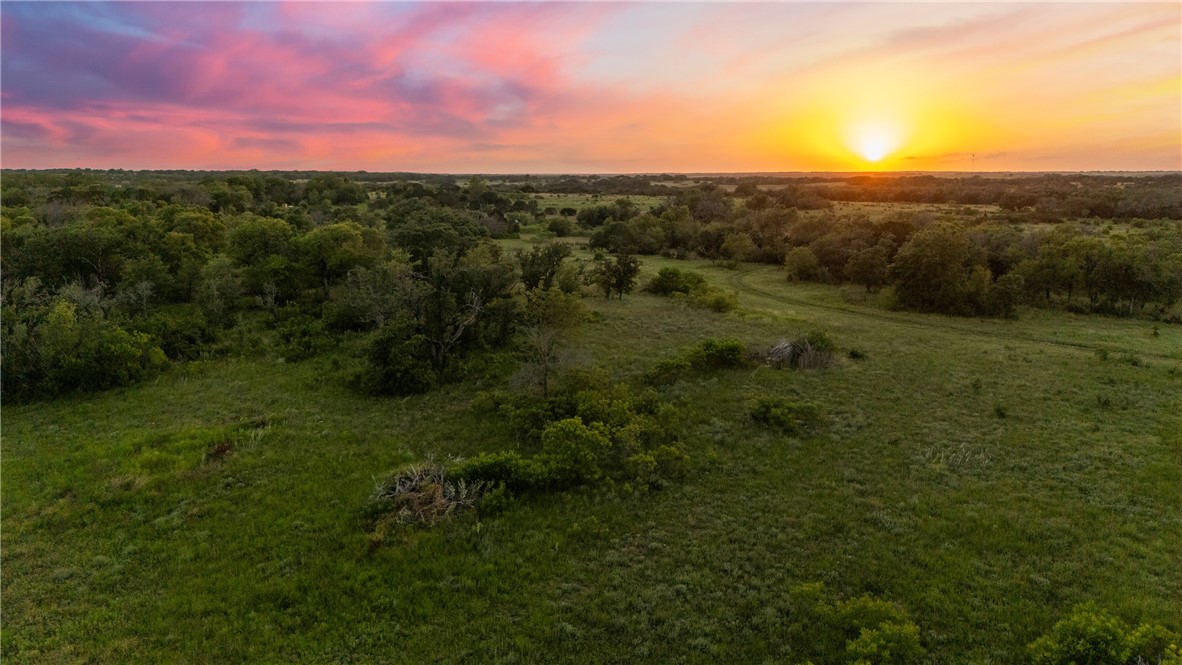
<point x="985" y="475"/>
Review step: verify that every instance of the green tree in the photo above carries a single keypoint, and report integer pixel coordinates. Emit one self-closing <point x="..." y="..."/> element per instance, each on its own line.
<point x="868" y="267"/>
<point x="331" y="251"/>
<point x="931" y="270"/>
<point x="615" y="274"/>
<point x="802" y="265"/>
<point x="219" y="289"/>
<point x="550" y="317"/>
<point x="540" y="265"/>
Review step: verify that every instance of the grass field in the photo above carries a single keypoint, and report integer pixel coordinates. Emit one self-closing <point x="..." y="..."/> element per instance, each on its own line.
<point x="984" y="474"/>
<point x="580" y="201"/>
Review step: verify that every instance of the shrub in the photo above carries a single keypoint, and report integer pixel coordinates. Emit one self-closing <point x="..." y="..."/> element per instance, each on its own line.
<point x="713" y="299"/>
<point x="1151" y="643"/>
<point x="710" y="354"/>
<point x="56" y="349"/>
<point x="668" y="370"/>
<point x="789" y="417"/>
<point x="718" y="354"/>
<point x="888" y="644"/>
<point x="802" y="265"/>
<point x="560" y="227"/>
<point x="579" y="438"/>
<point x="1093" y="636"/>
<point x="181" y="331"/>
<point x="301" y="337"/>
<point x="506" y="469"/>
<point x="399" y="362"/>
<point x="671" y="280"/>
<point x="573" y="452"/>
<point x="693" y="289"/>
<point x="859" y="631"/>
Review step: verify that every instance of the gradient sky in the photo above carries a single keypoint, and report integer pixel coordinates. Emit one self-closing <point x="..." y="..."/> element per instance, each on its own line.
<point x="598" y="87"/>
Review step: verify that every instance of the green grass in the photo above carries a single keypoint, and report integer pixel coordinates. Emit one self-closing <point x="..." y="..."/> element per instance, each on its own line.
<point x="125" y="540"/>
<point x="580" y="201"/>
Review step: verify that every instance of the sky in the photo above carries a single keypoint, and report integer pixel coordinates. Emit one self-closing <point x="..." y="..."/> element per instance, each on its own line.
<point x="567" y="87"/>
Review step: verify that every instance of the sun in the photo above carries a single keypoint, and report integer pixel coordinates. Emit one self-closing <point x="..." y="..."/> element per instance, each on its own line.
<point x="874" y="140"/>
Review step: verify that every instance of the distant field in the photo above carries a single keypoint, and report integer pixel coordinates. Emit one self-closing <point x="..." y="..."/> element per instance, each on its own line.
<point x="580" y="201"/>
<point x="125" y="543"/>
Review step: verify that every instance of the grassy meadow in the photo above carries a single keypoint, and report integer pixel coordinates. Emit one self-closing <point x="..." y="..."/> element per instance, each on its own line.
<point x="985" y="475"/>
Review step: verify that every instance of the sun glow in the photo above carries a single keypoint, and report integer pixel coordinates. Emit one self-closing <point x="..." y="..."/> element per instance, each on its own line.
<point x="874" y="140"/>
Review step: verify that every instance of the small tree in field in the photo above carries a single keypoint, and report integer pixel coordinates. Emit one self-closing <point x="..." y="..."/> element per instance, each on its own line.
<point x="550" y="317"/>
<point x="616" y="275"/>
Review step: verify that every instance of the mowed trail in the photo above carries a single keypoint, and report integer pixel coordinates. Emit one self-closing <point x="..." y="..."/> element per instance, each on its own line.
<point x="928" y="322"/>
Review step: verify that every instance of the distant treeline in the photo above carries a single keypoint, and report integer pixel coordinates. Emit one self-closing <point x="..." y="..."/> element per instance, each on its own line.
<point x="957" y="263"/>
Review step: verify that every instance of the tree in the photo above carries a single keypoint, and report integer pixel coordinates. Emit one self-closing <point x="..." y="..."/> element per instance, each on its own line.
<point x="868" y="267"/>
<point x="738" y="247"/>
<point x="802" y="265"/>
<point x="540" y="265"/>
<point x="330" y="252"/>
<point x="370" y="297"/>
<point x="615" y="274"/>
<point x="550" y="317"/>
<point x="1006" y="294"/>
<point x="422" y="229"/>
<point x="400" y="361"/>
<point x="219" y="289"/>
<point x="931" y="270"/>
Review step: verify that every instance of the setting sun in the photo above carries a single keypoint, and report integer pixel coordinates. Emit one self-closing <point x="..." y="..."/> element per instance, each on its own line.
<point x="874" y="140"/>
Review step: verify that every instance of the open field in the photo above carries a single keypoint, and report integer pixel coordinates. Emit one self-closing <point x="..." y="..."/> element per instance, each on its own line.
<point x="984" y="474"/>
<point x="580" y="201"/>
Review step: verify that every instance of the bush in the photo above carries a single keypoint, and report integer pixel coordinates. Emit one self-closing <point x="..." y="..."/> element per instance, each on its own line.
<point x="789" y="417"/>
<point x="506" y="469"/>
<point x="560" y="227"/>
<point x="859" y="631"/>
<point x="1093" y="636"/>
<point x="181" y="331"/>
<point x="58" y="350"/>
<point x="579" y="438"/>
<point x="888" y="644"/>
<point x="802" y="265"/>
<point x="399" y="362"/>
<point x="573" y="452"/>
<point x="693" y="289"/>
<point x="718" y="354"/>
<point x="713" y="299"/>
<point x="671" y="280"/>
<point x="710" y="354"/>
<point x="301" y="337"/>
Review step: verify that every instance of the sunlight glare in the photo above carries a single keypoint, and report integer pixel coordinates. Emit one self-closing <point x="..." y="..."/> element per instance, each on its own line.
<point x="874" y="140"/>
